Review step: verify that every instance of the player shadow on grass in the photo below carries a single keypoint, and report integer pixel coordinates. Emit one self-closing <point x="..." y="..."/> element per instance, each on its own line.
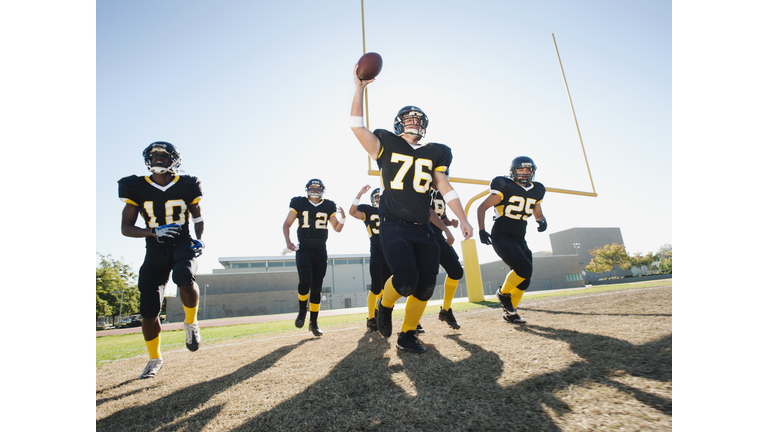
<point x="555" y="312"/>
<point x="431" y="392"/>
<point x="606" y="357"/>
<point x="167" y="409"/>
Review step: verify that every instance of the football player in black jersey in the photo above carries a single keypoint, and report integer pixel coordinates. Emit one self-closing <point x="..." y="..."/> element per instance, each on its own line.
<point x="378" y="267"/>
<point x="408" y="169"/>
<point x="515" y="198"/>
<point x="449" y="259"/>
<point x="314" y="213"/>
<point x="167" y="202"/>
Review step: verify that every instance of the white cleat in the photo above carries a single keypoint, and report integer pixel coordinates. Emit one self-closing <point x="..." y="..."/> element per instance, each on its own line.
<point x="193" y="336"/>
<point x="152" y="368"/>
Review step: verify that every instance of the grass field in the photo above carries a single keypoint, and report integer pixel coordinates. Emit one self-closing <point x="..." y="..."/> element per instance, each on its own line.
<point x="598" y="359"/>
<point x="119" y="347"/>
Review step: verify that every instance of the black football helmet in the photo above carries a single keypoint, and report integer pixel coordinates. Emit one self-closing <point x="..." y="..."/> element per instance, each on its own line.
<point x="411" y="112"/>
<point x="314" y="184"/>
<point x="374" y="201"/>
<point x="522" y="162"/>
<point x="174" y="158"/>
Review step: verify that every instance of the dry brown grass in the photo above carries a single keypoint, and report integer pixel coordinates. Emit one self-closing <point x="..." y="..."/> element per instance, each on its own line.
<point x="582" y="363"/>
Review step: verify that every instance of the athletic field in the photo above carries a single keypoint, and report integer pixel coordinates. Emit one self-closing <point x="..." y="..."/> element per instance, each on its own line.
<point x="597" y="359"/>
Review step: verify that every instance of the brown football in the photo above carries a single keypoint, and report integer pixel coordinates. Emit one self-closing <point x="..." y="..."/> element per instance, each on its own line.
<point x="369" y="66"/>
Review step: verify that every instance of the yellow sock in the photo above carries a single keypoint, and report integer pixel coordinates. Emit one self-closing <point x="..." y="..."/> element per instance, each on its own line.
<point x="314" y="307"/>
<point x="190" y="314"/>
<point x="512" y="281"/>
<point x="372" y="299"/>
<point x="303" y="298"/>
<point x="517" y="295"/>
<point x="450" y="290"/>
<point x="153" y="347"/>
<point x="414" y="308"/>
<point x="389" y="295"/>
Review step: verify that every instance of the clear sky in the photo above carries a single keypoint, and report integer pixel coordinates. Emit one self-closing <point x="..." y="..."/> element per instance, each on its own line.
<point x="257" y="96"/>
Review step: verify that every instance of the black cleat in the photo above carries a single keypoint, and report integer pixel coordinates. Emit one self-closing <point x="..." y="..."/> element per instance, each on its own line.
<point x="419" y="328"/>
<point x="384" y="320"/>
<point x="506" y="302"/>
<point x="372" y="327"/>
<point x="409" y="342"/>
<point x="447" y="316"/>
<point x="315" y="329"/>
<point x="513" y="318"/>
<point x="300" y="319"/>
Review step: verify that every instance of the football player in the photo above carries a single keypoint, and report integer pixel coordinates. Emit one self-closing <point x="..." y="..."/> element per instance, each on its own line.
<point x="314" y="214"/>
<point x="378" y="267"/>
<point x="167" y="202"/>
<point x="408" y="168"/>
<point x="449" y="259"/>
<point x="515" y="198"/>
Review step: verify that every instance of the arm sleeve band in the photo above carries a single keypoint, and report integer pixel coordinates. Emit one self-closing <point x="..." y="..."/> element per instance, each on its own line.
<point x="450" y="196"/>
<point x="355" y="121"/>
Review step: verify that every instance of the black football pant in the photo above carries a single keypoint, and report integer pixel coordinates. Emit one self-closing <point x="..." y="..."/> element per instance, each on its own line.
<point x="154" y="272"/>
<point x="449" y="259"/>
<point x="311" y="265"/>
<point x="515" y="253"/>
<point x="380" y="271"/>
<point x="413" y="255"/>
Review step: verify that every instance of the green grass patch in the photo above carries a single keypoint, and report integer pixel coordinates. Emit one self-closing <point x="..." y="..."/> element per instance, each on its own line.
<point x="117" y="347"/>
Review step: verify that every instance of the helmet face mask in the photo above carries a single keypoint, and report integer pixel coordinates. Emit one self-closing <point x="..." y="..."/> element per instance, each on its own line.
<point x="411" y="120"/>
<point x="315" y="188"/>
<point x="171" y="157"/>
<point x="521" y="162"/>
<point x="375" y="197"/>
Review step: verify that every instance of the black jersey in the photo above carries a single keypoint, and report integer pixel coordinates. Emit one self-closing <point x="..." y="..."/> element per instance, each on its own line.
<point x="313" y="221"/>
<point x="371" y="220"/>
<point x="406" y="176"/>
<point x="162" y="205"/>
<point x="516" y="205"/>
<point x="438" y="205"/>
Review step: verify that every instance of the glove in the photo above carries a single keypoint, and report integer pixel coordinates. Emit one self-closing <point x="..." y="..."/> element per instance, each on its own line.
<point x="197" y="247"/>
<point x="542" y="225"/>
<point x="485" y="237"/>
<point x="170" y="231"/>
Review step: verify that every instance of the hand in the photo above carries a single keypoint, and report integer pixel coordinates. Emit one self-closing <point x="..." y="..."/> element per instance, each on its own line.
<point x="454" y="223"/>
<point x="365" y="189"/>
<point x="467" y="230"/>
<point x="542" y="225"/>
<point x="360" y="83"/>
<point x="449" y="238"/>
<point x="170" y="231"/>
<point x="197" y="247"/>
<point x="291" y="246"/>
<point x="341" y="211"/>
<point x="485" y="237"/>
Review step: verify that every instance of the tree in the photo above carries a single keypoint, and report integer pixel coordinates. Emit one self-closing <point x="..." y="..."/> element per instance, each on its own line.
<point x="112" y="277"/>
<point x="639" y="260"/>
<point x="608" y="258"/>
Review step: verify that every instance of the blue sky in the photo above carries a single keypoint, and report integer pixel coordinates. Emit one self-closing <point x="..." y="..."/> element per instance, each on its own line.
<point x="257" y="96"/>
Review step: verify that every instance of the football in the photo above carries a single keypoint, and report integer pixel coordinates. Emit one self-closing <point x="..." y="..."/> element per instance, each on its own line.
<point x="369" y="66"/>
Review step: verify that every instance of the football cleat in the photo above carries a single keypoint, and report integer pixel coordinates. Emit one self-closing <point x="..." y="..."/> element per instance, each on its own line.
<point x="447" y="316"/>
<point x="315" y="329"/>
<point x="506" y="302"/>
<point x="371" y="324"/>
<point x="419" y="328"/>
<point x="513" y="318"/>
<point x="152" y="368"/>
<point x="384" y="320"/>
<point x="409" y="342"/>
<point x="193" y="336"/>
<point x="300" y="318"/>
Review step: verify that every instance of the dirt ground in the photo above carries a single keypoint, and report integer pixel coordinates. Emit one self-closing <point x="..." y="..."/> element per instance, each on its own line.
<point x="583" y="362"/>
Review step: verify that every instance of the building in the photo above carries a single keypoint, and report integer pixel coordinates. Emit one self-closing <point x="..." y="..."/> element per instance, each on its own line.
<point x="265" y="285"/>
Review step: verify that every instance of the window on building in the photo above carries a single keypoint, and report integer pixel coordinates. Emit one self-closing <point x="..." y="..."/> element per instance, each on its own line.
<point x="239" y="265"/>
<point x="327" y="290"/>
<point x="354" y="261"/>
<point x="367" y="260"/>
<point x="276" y="263"/>
<point x="290" y="263"/>
<point x="573" y="277"/>
<point x="259" y="264"/>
